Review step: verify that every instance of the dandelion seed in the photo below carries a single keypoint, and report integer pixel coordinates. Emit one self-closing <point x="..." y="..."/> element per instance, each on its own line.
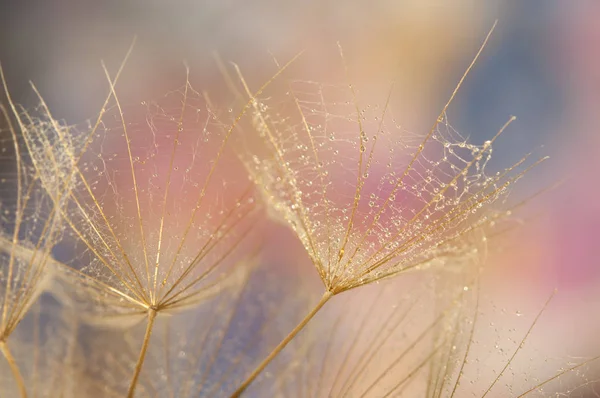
<point x="30" y="228"/>
<point x="353" y="241"/>
<point x="141" y="247"/>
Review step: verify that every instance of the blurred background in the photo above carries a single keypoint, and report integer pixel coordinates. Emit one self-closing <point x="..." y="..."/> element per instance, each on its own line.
<point x="542" y="65"/>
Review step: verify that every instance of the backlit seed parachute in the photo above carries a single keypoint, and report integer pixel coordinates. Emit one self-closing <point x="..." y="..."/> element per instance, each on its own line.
<point x="30" y="227"/>
<point x="367" y="199"/>
<point x="153" y="210"/>
<point x="152" y="217"/>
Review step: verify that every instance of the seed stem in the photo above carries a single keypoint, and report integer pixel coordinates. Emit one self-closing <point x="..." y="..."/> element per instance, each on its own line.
<point x="14" y="368"/>
<point x="326" y="296"/>
<point x="140" y="362"/>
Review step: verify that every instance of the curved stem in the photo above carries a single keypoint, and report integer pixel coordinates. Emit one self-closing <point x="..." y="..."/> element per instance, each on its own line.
<point x="14" y="368"/>
<point x="326" y="296"/>
<point x="140" y="362"/>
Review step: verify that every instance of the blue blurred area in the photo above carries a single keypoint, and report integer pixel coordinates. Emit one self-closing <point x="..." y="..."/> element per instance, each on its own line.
<point x="514" y="77"/>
